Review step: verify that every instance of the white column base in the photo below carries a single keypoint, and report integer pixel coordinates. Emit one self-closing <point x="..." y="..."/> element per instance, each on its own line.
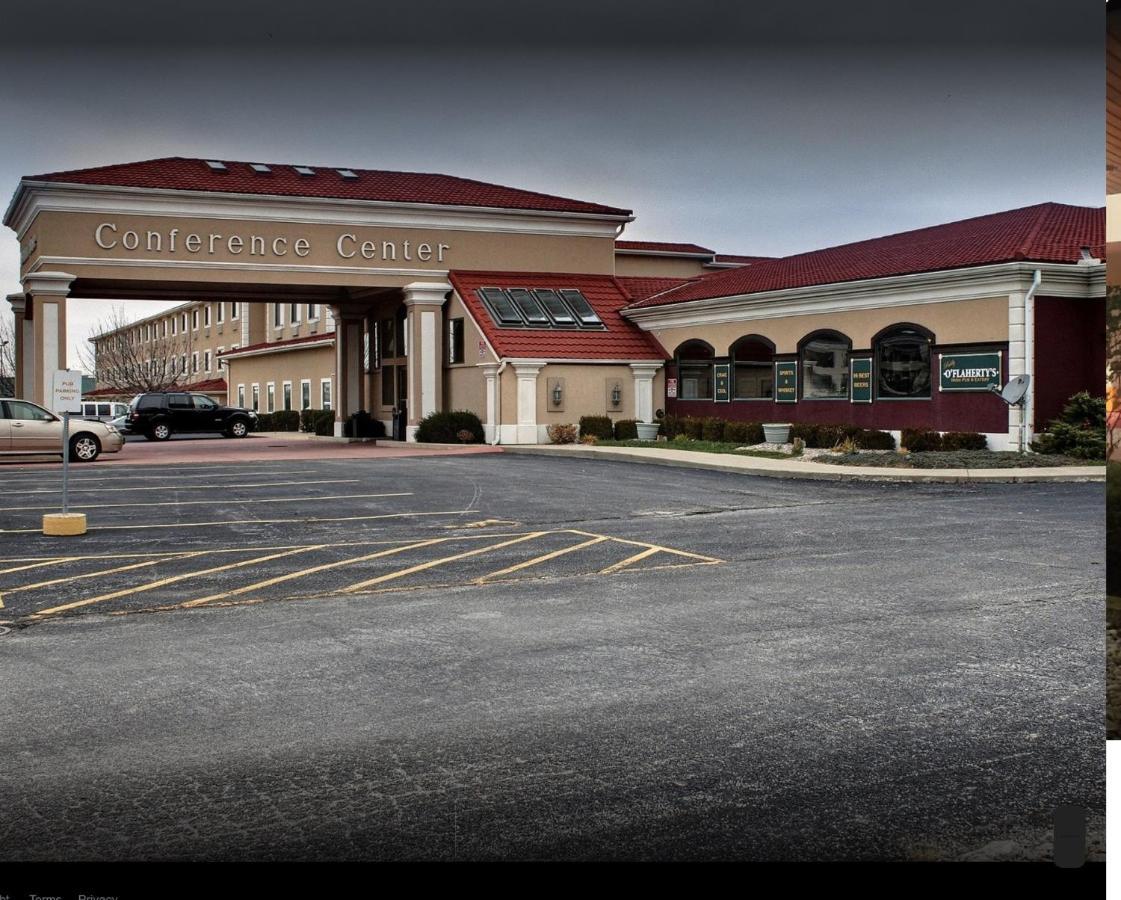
<point x="410" y="432"/>
<point x="508" y="434"/>
<point x="488" y="434"/>
<point x="339" y="428"/>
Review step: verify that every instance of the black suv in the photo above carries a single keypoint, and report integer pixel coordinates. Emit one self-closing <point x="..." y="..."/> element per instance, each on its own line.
<point x="158" y="415"/>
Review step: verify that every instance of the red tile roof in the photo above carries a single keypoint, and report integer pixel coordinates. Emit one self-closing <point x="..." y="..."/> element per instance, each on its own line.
<point x="621" y="340"/>
<point x="639" y="287"/>
<point x="735" y="258"/>
<point x="662" y="247"/>
<point x="281" y="345"/>
<point x="210" y="386"/>
<point x="1048" y="232"/>
<point x="182" y="174"/>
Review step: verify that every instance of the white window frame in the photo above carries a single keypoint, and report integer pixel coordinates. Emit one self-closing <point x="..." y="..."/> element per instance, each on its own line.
<point x="164" y="329"/>
<point x="305" y="383"/>
<point x="255" y="394"/>
<point x="286" y="396"/>
<point x="195" y="319"/>
<point x="241" y="396"/>
<point x="270" y="396"/>
<point x="326" y="400"/>
<point x="195" y="363"/>
<point x="220" y="315"/>
<point x="206" y="361"/>
<point x="235" y="310"/>
<point x="174" y="325"/>
<point x="310" y="307"/>
<point x="278" y="315"/>
<point x="206" y="316"/>
<point x="294" y="313"/>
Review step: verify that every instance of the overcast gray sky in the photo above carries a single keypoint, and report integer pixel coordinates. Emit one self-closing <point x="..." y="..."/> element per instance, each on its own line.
<point x="733" y="125"/>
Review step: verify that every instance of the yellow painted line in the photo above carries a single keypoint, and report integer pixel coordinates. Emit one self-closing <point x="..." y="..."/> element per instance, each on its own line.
<point x="237" y="501"/>
<point x="540" y="559"/>
<point x="163" y="582"/>
<point x="620" y="540"/>
<point x="610" y="570"/>
<point x="207" y="487"/>
<point x="304" y="572"/>
<point x="39" y="564"/>
<point x="303" y="521"/>
<point x="439" y="562"/>
<point x="114" y="570"/>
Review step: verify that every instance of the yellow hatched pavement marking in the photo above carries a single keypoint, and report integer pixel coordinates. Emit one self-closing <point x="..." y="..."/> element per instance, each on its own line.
<point x="304" y="572"/>
<point x="39" y="564"/>
<point x="540" y="559"/>
<point x="152" y="585"/>
<point x="139" y="565"/>
<point x="439" y="562"/>
<point x="688" y="553"/>
<point x="610" y="570"/>
<point x="240" y="501"/>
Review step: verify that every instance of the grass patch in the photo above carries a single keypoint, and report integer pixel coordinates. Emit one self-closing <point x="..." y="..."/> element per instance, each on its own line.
<point x="956" y="459"/>
<point x="697" y="447"/>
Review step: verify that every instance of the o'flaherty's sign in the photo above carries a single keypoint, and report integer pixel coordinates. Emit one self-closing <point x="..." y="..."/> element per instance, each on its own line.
<point x="970" y="371"/>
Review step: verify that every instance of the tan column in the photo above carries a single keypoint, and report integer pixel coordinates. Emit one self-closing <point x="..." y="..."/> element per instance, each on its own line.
<point x="19" y="353"/>
<point x="644" y="390"/>
<point x="527" y="371"/>
<point x="47" y="292"/>
<point x="424" y="301"/>
<point x="490" y="375"/>
<point x="340" y="373"/>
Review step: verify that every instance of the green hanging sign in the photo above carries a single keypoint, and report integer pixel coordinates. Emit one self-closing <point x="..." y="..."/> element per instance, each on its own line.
<point x="970" y="371"/>
<point x="721" y="382"/>
<point x="860" y="380"/>
<point x="786" y="381"/>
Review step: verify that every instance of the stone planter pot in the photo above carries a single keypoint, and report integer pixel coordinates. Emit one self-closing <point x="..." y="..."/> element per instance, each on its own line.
<point x="647" y="431"/>
<point x="777" y="434"/>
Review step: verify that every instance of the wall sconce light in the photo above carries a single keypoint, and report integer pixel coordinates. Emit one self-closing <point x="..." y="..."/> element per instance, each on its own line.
<point x="616" y="396"/>
<point x="557" y="395"/>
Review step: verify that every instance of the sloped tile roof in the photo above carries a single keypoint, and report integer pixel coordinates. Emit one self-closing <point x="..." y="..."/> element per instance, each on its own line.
<point x="185" y="174"/>
<point x="620" y="340"/>
<point x="639" y="287"/>
<point x="280" y="345"/>
<point x="662" y="247"/>
<point x="1047" y="232"/>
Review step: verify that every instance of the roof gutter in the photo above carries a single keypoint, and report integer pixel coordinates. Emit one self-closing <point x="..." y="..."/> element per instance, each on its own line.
<point x="1029" y="361"/>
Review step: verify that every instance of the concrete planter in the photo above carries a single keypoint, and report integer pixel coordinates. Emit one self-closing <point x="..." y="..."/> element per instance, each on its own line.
<point x="647" y="431"/>
<point x="777" y="433"/>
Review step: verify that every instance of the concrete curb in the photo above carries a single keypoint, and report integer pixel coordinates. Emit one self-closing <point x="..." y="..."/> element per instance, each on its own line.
<point x="778" y="468"/>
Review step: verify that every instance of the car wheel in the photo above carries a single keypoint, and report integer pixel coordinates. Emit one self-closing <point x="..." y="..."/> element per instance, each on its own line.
<point x="161" y="431"/>
<point x="239" y="429"/>
<point x="84" y="448"/>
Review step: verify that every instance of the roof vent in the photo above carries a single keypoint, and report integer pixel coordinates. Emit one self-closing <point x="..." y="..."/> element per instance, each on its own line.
<point x="260" y="167"/>
<point x="216" y="166"/>
<point x="346" y="173"/>
<point x="1088" y="258"/>
<point x="304" y="170"/>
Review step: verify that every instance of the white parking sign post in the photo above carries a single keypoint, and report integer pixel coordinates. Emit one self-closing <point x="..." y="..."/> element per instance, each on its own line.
<point x="66" y="399"/>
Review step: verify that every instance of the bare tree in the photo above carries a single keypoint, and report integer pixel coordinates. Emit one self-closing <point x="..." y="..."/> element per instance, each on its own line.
<point x="7" y="353"/>
<point x="123" y="361"/>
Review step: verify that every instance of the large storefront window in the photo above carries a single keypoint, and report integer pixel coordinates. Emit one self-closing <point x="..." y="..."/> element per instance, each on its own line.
<point x="694" y="371"/>
<point x="753" y="359"/>
<point x="825" y="366"/>
<point x="903" y="363"/>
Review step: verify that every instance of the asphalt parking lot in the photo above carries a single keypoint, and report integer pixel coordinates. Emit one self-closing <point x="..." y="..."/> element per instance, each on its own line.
<point x="492" y="656"/>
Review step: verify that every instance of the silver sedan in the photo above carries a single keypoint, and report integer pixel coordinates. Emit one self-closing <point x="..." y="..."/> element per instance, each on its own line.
<point x="26" y="427"/>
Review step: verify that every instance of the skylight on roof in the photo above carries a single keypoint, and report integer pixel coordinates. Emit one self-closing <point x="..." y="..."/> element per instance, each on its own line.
<point x="216" y="166"/>
<point x="259" y="167"/>
<point x="580" y="305"/>
<point x="346" y="173"/>
<point x="304" y="170"/>
<point x="541" y="308"/>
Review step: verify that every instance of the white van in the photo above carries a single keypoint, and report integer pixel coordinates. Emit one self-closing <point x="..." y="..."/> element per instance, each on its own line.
<point x="102" y="411"/>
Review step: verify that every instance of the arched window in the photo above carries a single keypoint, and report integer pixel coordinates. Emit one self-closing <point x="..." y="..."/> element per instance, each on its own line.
<point x="902" y="355"/>
<point x="753" y="361"/>
<point x="824" y="357"/>
<point x="694" y="371"/>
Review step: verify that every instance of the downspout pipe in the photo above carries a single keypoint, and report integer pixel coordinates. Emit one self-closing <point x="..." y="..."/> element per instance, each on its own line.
<point x="497" y="438"/>
<point x="1027" y="429"/>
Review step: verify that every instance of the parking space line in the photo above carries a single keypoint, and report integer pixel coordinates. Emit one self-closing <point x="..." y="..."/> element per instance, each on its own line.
<point x="353" y="588"/>
<point x="114" y="570"/>
<point x="619" y="566"/>
<point x="39" y="564"/>
<point x="249" y="588"/>
<point x="163" y="582"/>
<point x="302" y="521"/>
<point x="207" y="487"/>
<point x="239" y="501"/>
<point x="545" y="557"/>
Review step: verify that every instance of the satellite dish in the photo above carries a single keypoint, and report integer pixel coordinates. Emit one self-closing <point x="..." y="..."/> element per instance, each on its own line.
<point x="1015" y="390"/>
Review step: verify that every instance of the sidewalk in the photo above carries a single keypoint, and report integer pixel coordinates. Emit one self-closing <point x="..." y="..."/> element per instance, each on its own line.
<point x="797" y="468"/>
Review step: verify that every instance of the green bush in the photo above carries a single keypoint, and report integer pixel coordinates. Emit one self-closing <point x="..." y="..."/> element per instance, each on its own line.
<point x="692" y="427"/>
<point x="964" y="440"/>
<point x="265" y="422"/>
<point x="712" y="429"/>
<point x="735" y="432"/>
<point x="285" y="420"/>
<point x="870" y="439"/>
<point x="754" y="433"/>
<point x="671" y="427"/>
<point x="1079" y="431"/>
<point x="599" y="427"/>
<point x="318" y="421"/>
<point x="918" y="440"/>
<point x="444" y="427"/>
<point x="626" y="430"/>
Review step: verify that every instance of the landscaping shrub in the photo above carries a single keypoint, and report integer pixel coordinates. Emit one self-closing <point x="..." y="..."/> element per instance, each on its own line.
<point x="561" y="434"/>
<point x="285" y="420"/>
<point x="870" y="439"/>
<point x="597" y="426"/>
<point x="265" y="422"/>
<point x="671" y="427"/>
<point x="735" y="432"/>
<point x="588" y="439"/>
<point x="318" y="421"/>
<point x="692" y="428"/>
<point x="754" y="433"/>
<point x="916" y="440"/>
<point x="712" y="429"/>
<point x="1079" y="431"/>
<point x="626" y="430"/>
<point x="964" y="440"/>
<point x="444" y="427"/>
<point x="362" y="425"/>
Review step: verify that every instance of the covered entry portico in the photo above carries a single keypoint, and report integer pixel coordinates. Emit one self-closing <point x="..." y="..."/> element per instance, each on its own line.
<point x="368" y="246"/>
